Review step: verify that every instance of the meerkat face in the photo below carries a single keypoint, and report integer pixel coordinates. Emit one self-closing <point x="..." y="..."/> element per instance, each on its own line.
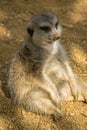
<point x="44" y="29"/>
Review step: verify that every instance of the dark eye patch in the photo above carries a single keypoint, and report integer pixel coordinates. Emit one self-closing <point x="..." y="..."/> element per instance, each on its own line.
<point x="56" y="25"/>
<point x="30" y="31"/>
<point x="45" y="28"/>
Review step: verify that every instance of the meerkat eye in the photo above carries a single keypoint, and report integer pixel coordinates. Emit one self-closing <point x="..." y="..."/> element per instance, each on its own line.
<point x="56" y="25"/>
<point x="45" y="28"/>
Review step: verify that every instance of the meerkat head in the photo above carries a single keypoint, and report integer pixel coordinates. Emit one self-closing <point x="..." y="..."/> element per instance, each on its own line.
<point x="44" y="29"/>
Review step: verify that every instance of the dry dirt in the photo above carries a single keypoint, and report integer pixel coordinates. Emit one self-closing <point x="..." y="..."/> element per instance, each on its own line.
<point x="14" y="15"/>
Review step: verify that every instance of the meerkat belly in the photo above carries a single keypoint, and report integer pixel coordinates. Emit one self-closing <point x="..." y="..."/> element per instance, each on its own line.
<point x="56" y="76"/>
<point x="55" y="72"/>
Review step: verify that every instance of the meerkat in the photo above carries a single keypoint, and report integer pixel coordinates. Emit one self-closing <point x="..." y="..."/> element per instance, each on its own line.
<point x="40" y="75"/>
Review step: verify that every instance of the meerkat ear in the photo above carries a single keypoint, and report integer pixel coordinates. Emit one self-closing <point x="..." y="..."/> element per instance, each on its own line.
<point x="30" y="31"/>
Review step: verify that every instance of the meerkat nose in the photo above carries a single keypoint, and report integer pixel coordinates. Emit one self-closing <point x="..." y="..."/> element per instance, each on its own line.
<point x="56" y="38"/>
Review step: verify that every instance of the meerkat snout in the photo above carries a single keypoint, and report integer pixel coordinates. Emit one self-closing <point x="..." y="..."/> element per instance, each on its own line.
<point x="56" y="37"/>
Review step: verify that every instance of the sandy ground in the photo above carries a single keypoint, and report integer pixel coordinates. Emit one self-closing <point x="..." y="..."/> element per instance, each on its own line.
<point x="14" y="16"/>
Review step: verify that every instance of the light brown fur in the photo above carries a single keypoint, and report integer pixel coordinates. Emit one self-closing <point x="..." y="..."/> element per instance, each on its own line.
<point x="40" y="74"/>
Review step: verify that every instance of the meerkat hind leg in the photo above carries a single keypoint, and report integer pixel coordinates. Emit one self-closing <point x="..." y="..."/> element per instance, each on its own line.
<point x="66" y="94"/>
<point x="38" y="101"/>
<point x="82" y="90"/>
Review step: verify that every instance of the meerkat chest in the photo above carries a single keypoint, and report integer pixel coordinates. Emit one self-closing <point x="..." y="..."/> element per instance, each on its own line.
<point x="52" y="63"/>
<point x="53" y="68"/>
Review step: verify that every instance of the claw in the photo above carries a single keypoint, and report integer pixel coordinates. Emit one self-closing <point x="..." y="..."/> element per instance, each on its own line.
<point x="57" y="116"/>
